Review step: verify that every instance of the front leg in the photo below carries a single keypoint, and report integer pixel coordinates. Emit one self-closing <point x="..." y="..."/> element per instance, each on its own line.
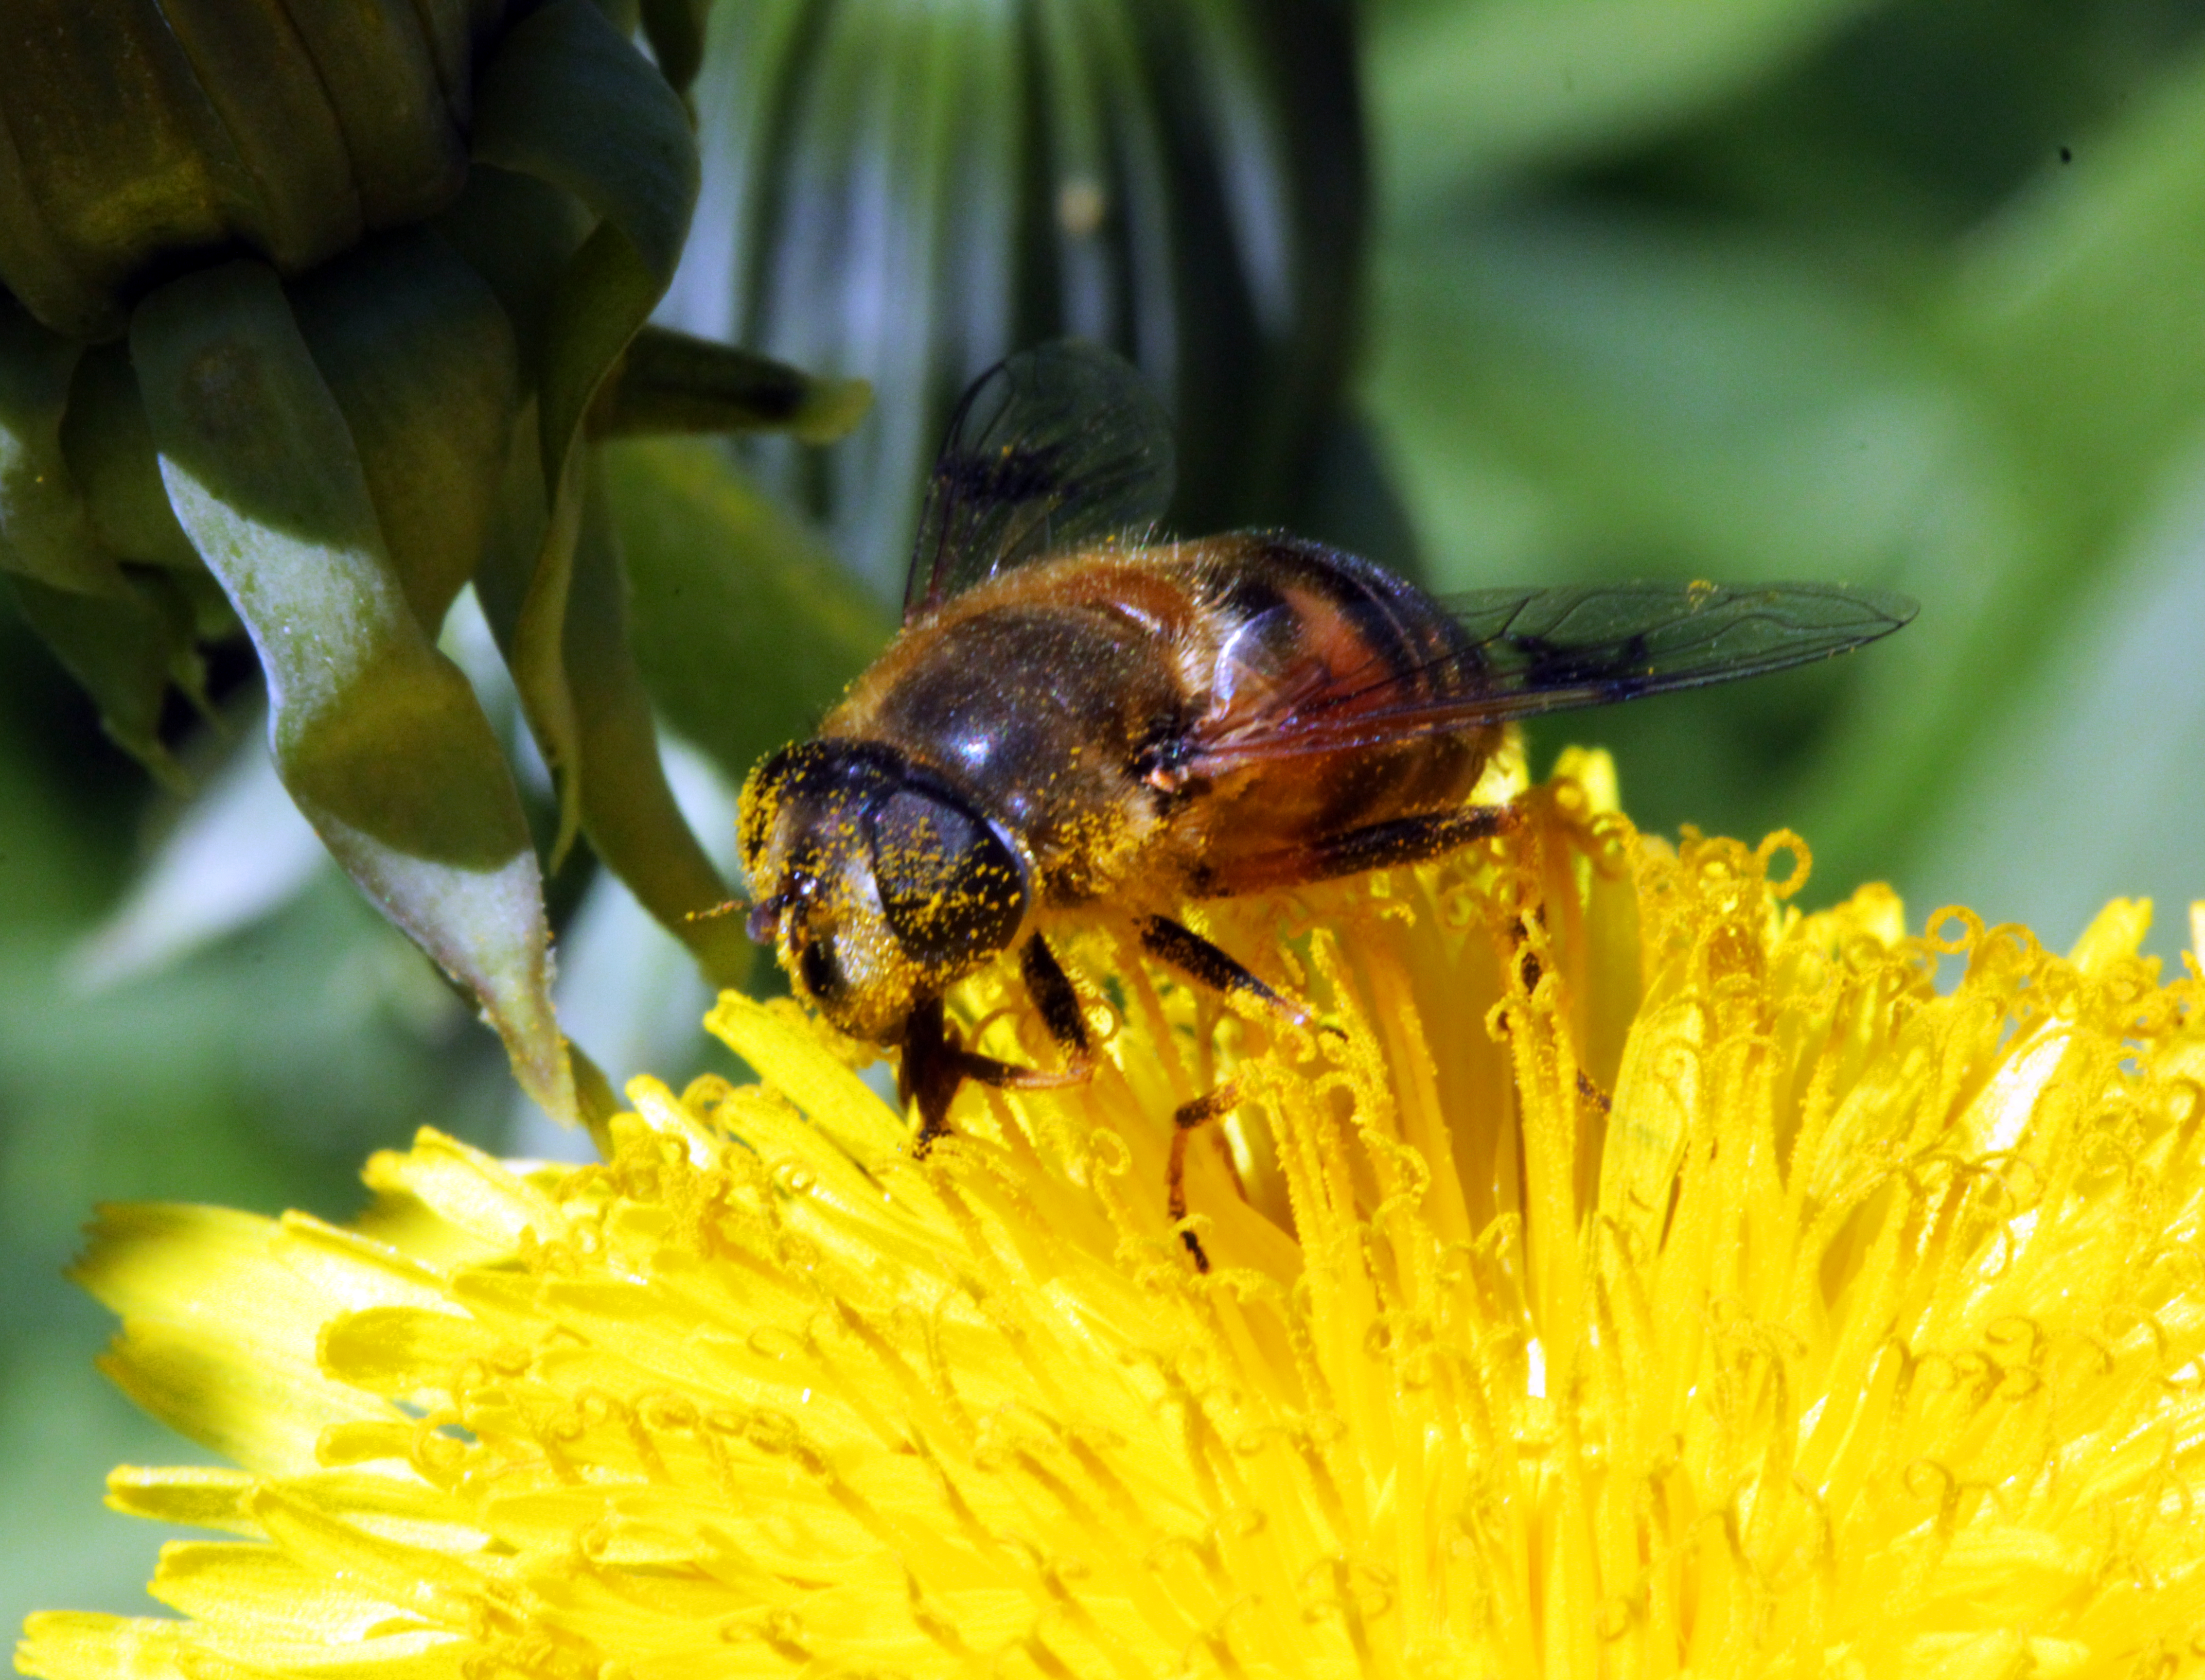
<point x="935" y="1062"/>
<point x="932" y="1068"/>
<point x="1050" y="988"/>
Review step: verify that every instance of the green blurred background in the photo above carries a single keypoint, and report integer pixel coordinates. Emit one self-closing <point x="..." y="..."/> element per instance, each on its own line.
<point x="1910" y="294"/>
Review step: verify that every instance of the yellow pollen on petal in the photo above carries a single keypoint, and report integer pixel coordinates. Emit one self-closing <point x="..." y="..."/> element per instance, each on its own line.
<point x="1625" y="1273"/>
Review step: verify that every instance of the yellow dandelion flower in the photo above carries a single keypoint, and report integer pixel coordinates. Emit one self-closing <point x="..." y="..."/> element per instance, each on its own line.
<point x="1642" y="1278"/>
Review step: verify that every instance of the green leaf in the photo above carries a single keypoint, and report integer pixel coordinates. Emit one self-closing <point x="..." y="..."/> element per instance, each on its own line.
<point x="1569" y="398"/>
<point x="1566" y="394"/>
<point x="45" y="531"/>
<point x="669" y="382"/>
<point x="450" y="28"/>
<point x="110" y="453"/>
<point x="517" y="232"/>
<point x="2070" y="310"/>
<point x="124" y="639"/>
<point x="628" y="810"/>
<point x="902" y="125"/>
<point x="675" y="30"/>
<point x="272" y="137"/>
<point x="377" y="735"/>
<point x="744" y="626"/>
<point x="2067" y="328"/>
<point x="112" y="150"/>
<point x="381" y="75"/>
<point x="2081" y="781"/>
<point x="421" y="360"/>
<point x="908" y="192"/>
<point x="124" y="649"/>
<point x="1753" y="342"/>
<point x="570" y="101"/>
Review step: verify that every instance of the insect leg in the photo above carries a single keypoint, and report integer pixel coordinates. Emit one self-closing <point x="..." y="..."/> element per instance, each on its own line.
<point x="1051" y="991"/>
<point x="931" y="1070"/>
<point x="1382" y="846"/>
<point x="1187" y="1119"/>
<point x="935" y="1063"/>
<point x="1195" y="957"/>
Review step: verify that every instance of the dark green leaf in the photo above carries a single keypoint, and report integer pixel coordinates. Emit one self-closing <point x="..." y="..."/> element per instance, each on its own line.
<point x="421" y="361"/>
<point x="123" y="638"/>
<point x="1466" y="92"/>
<point x="381" y="75"/>
<point x="123" y="649"/>
<point x="110" y="453"/>
<point x="628" y="810"/>
<point x="45" y="531"/>
<point x="570" y="101"/>
<point x="376" y="733"/>
<point x="675" y="30"/>
<point x="669" y="382"/>
<point x="744" y="627"/>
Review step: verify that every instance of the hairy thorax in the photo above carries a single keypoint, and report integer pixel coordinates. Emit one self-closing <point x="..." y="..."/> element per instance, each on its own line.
<point x="1042" y="709"/>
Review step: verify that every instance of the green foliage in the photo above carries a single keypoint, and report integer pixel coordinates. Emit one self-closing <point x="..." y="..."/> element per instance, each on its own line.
<point x="377" y="735"/>
<point x="1905" y="294"/>
<point x="326" y="445"/>
<point x="730" y="592"/>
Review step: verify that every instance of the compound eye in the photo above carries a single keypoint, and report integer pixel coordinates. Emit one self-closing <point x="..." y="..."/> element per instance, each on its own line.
<point x="951" y="889"/>
<point x="819" y="971"/>
<point x="762" y="793"/>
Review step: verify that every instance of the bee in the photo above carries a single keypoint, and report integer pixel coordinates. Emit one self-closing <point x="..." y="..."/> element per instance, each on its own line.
<point x="1074" y="716"/>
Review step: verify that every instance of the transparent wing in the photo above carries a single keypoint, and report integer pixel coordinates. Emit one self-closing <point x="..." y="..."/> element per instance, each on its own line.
<point x="1521" y="652"/>
<point x="1058" y="446"/>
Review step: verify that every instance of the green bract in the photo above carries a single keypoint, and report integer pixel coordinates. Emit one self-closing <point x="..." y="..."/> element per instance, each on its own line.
<point x="312" y="307"/>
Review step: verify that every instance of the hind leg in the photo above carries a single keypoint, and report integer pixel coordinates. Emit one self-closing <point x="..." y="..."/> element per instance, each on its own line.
<point x="1381" y="845"/>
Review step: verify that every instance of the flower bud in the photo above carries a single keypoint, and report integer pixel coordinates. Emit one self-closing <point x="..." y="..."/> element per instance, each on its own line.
<point x="142" y="137"/>
<point x="316" y="307"/>
<point x="905" y="193"/>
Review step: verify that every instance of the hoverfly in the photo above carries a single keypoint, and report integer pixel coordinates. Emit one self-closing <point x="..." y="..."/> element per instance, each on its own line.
<point x="1073" y="715"/>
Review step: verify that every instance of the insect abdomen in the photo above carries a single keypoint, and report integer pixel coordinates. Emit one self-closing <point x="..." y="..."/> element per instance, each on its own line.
<point x="1306" y="631"/>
